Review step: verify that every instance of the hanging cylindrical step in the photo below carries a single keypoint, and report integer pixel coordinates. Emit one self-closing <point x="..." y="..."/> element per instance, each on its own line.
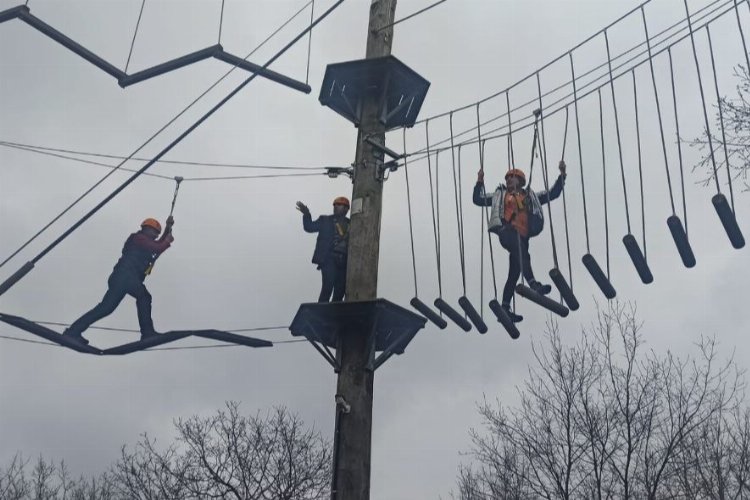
<point x="454" y="315"/>
<point x="504" y="319"/>
<point x="681" y="240"/>
<point x="562" y="286"/>
<point x="473" y="315"/>
<point x="428" y="313"/>
<point x="728" y="220"/>
<point x="542" y="300"/>
<point x="639" y="261"/>
<point x="599" y="277"/>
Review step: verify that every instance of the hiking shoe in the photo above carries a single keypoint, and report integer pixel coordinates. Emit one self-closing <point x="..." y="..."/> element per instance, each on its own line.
<point x="540" y="289"/>
<point x="75" y="336"/>
<point x="149" y="334"/>
<point x="515" y="318"/>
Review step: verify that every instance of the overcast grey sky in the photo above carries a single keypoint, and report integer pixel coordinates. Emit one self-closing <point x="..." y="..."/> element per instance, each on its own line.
<point x="241" y="259"/>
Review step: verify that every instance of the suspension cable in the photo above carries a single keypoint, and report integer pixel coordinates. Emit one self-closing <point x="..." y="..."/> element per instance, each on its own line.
<point x="545" y="172"/>
<point x="510" y="133"/>
<point x="151" y="138"/>
<point x="221" y="21"/>
<point x="742" y="35"/>
<point x="703" y="99"/>
<point x="435" y="228"/>
<point x="459" y="228"/>
<point x="604" y="175"/>
<point x="617" y="131"/>
<point x="580" y="154"/>
<point x="679" y="142"/>
<point x="309" y="44"/>
<point x="411" y="224"/>
<point x="658" y="114"/>
<point x="486" y="212"/>
<point x="721" y="118"/>
<point x="135" y="34"/>
<point x="565" y="205"/>
<point x="640" y="164"/>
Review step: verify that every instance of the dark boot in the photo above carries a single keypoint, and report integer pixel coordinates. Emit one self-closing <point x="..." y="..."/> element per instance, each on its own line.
<point x="515" y="318"/>
<point x="539" y="288"/>
<point x="73" y="335"/>
<point x="147" y="334"/>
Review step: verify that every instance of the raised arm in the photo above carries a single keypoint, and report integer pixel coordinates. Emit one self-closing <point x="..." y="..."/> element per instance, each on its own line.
<point x="480" y="197"/>
<point x="557" y="187"/>
<point x="308" y="224"/>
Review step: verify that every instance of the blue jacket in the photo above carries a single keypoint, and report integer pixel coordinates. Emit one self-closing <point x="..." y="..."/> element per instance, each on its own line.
<point x="325" y="226"/>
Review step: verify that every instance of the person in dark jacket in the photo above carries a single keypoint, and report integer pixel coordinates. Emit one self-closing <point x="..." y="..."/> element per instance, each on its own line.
<point x="330" y="248"/>
<point x="139" y="253"/>
<point x="516" y="217"/>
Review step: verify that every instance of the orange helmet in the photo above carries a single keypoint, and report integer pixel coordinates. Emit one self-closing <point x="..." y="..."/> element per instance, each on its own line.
<point x="152" y="223"/>
<point x="516" y="172"/>
<point x="341" y="200"/>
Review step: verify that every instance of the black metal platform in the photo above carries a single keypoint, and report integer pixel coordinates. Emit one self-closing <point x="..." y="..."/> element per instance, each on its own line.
<point x="400" y="89"/>
<point x="393" y="326"/>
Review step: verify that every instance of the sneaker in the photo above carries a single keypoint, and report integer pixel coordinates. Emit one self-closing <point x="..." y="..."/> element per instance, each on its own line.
<point x="540" y="289"/>
<point x="149" y="334"/>
<point x="75" y="336"/>
<point x="515" y="318"/>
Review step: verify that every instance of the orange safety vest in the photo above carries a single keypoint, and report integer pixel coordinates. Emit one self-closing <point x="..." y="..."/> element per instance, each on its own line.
<point x="515" y="211"/>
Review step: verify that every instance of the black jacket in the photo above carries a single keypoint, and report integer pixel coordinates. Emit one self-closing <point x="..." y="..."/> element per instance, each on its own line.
<point x="325" y="226"/>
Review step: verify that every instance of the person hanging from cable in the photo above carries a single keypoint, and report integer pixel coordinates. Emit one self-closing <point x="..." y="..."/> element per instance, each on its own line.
<point x="139" y="253"/>
<point x="330" y="248"/>
<point x="516" y="217"/>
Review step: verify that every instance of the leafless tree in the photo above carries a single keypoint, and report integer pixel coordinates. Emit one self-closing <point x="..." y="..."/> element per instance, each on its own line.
<point x="605" y="418"/>
<point x="268" y="456"/>
<point x="736" y="115"/>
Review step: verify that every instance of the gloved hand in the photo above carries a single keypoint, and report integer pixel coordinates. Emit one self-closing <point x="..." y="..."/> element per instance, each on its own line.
<point x="170" y="221"/>
<point x="480" y="177"/>
<point x="303" y="208"/>
<point x="168" y="237"/>
<point x="562" y="168"/>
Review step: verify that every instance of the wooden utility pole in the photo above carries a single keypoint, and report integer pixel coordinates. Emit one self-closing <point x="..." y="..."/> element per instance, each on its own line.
<point x="355" y="380"/>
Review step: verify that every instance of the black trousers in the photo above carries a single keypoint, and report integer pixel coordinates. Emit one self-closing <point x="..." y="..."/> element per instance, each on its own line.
<point x="333" y="274"/>
<point x="120" y="284"/>
<point x="518" y="259"/>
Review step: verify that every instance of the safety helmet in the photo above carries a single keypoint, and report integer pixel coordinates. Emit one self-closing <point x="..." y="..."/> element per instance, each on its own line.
<point x="152" y="223"/>
<point x="341" y="200"/>
<point x="516" y="172"/>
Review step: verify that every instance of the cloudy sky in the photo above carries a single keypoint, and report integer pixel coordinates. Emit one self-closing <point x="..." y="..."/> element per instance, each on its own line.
<point x="241" y="259"/>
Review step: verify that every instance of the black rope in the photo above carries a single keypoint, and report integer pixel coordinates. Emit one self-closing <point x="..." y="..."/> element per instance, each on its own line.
<point x="679" y="142"/>
<point x="617" y="130"/>
<point x="640" y="164"/>
<point x="179" y="138"/>
<point x="658" y="113"/>
<point x="510" y="133"/>
<point x="411" y="224"/>
<point x="604" y="175"/>
<point x="580" y="154"/>
<point x="309" y="44"/>
<point x="721" y="118"/>
<point x="545" y="172"/>
<point x="486" y="214"/>
<point x="460" y="134"/>
<point x="565" y="205"/>
<point x="135" y="34"/>
<point x="459" y="227"/>
<point x="409" y="16"/>
<point x="703" y="99"/>
<point x="221" y="21"/>
<point x="40" y="149"/>
<point x="148" y="141"/>
<point x="435" y="228"/>
<point x="742" y="35"/>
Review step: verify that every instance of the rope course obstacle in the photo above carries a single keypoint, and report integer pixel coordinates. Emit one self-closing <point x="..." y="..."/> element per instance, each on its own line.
<point x="151" y="341"/>
<point x="23" y="13"/>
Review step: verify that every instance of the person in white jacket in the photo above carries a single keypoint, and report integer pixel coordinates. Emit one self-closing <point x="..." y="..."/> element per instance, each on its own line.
<point x="516" y="217"/>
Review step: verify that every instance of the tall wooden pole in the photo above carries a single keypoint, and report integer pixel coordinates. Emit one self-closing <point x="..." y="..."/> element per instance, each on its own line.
<point x="355" y="381"/>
